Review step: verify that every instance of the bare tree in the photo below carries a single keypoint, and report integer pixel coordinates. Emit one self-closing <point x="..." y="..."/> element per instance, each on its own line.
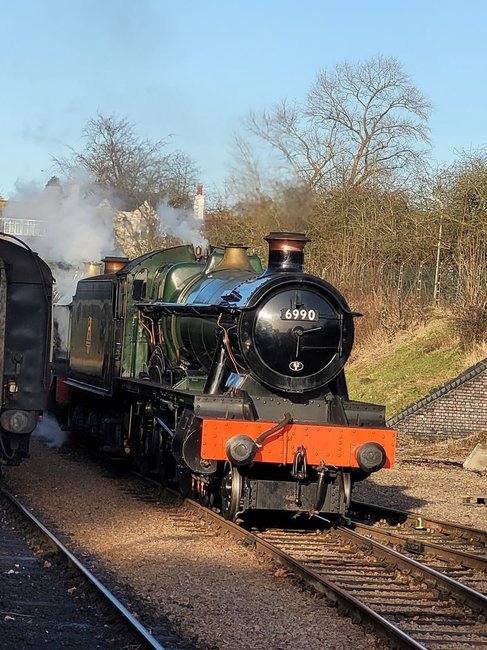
<point x="245" y="178"/>
<point x="287" y="128"/>
<point x="179" y="179"/>
<point x="135" y="169"/>
<point x="360" y="124"/>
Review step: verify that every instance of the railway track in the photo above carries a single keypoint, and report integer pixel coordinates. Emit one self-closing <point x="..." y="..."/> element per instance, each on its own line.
<point x="456" y="550"/>
<point x="406" y="602"/>
<point x="117" y="625"/>
<point x="382" y="588"/>
<point x="459" y="536"/>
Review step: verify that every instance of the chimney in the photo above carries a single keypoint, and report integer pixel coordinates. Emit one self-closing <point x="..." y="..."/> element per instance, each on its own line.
<point x="114" y="264"/>
<point x="286" y="251"/>
<point x="199" y="203"/>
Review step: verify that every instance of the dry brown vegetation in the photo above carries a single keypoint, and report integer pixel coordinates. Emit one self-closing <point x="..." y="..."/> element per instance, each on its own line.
<point x="373" y="341"/>
<point x="444" y="450"/>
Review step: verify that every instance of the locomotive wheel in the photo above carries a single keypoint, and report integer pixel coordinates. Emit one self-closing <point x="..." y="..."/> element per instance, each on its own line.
<point x="231" y="492"/>
<point x="166" y="465"/>
<point x="149" y="446"/>
<point x="347" y="488"/>
<point x="208" y="499"/>
<point x="143" y="463"/>
<point x="185" y="482"/>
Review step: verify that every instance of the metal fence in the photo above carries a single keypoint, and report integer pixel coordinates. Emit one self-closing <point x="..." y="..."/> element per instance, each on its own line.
<point x="427" y="284"/>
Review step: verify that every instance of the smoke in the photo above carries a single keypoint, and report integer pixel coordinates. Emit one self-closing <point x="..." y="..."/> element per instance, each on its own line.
<point x="61" y="329"/>
<point x="181" y="224"/>
<point x="49" y="431"/>
<point x="77" y="223"/>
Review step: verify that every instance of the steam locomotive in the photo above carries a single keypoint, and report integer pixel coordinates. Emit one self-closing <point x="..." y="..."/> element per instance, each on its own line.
<point x="224" y="377"/>
<point x="25" y="345"/>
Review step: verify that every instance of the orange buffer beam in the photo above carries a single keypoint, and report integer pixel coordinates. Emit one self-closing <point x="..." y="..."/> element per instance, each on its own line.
<point x="332" y="445"/>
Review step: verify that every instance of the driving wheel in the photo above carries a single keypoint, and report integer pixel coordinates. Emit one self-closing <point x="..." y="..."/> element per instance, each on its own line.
<point x="231" y="492"/>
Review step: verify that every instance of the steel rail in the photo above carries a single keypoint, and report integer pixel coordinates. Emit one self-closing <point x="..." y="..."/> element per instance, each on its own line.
<point x="141" y="634"/>
<point x="424" y="546"/>
<point x="333" y="592"/>
<point x="473" y="598"/>
<point x="420" y="521"/>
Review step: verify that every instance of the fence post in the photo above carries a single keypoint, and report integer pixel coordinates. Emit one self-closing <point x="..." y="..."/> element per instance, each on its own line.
<point x="419" y="282"/>
<point x="400" y="280"/>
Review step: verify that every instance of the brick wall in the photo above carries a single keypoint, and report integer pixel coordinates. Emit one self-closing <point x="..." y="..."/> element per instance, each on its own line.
<point x="456" y="409"/>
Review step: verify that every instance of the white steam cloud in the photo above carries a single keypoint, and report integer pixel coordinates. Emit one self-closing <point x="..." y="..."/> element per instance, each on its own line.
<point x="49" y="431"/>
<point x="181" y="224"/>
<point x="77" y="221"/>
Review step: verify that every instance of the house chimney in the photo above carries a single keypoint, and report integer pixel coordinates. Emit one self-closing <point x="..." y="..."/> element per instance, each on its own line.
<point x="199" y="203"/>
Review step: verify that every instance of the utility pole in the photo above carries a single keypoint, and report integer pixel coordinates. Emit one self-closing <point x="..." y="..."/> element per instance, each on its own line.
<point x="436" y="286"/>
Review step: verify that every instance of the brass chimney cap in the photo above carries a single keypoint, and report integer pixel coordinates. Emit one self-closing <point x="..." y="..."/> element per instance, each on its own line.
<point x="234" y="257"/>
<point x="114" y="264"/>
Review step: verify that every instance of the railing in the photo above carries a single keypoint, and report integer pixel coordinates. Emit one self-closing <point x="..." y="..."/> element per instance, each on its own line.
<point x="23" y="227"/>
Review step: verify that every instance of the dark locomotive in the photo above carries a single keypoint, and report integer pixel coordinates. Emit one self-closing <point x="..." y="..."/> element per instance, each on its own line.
<point x="224" y="377"/>
<point x="25" y="345"/>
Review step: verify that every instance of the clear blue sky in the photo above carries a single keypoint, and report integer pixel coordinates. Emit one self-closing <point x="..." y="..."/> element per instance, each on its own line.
<point x="194" y="69"/>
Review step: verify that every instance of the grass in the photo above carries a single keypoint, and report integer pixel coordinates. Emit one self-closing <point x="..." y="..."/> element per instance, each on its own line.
<point x="400" y="372"/>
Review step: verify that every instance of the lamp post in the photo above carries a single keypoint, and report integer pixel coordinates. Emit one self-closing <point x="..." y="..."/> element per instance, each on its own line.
<point x="436" y="286"/>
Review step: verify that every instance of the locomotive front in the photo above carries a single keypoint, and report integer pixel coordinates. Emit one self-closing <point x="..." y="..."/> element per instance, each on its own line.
<point x="226" y="378"/>
<point x="296" y="331"/>
<point x="292" y="332"/>
<point x="272" y="427"/>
